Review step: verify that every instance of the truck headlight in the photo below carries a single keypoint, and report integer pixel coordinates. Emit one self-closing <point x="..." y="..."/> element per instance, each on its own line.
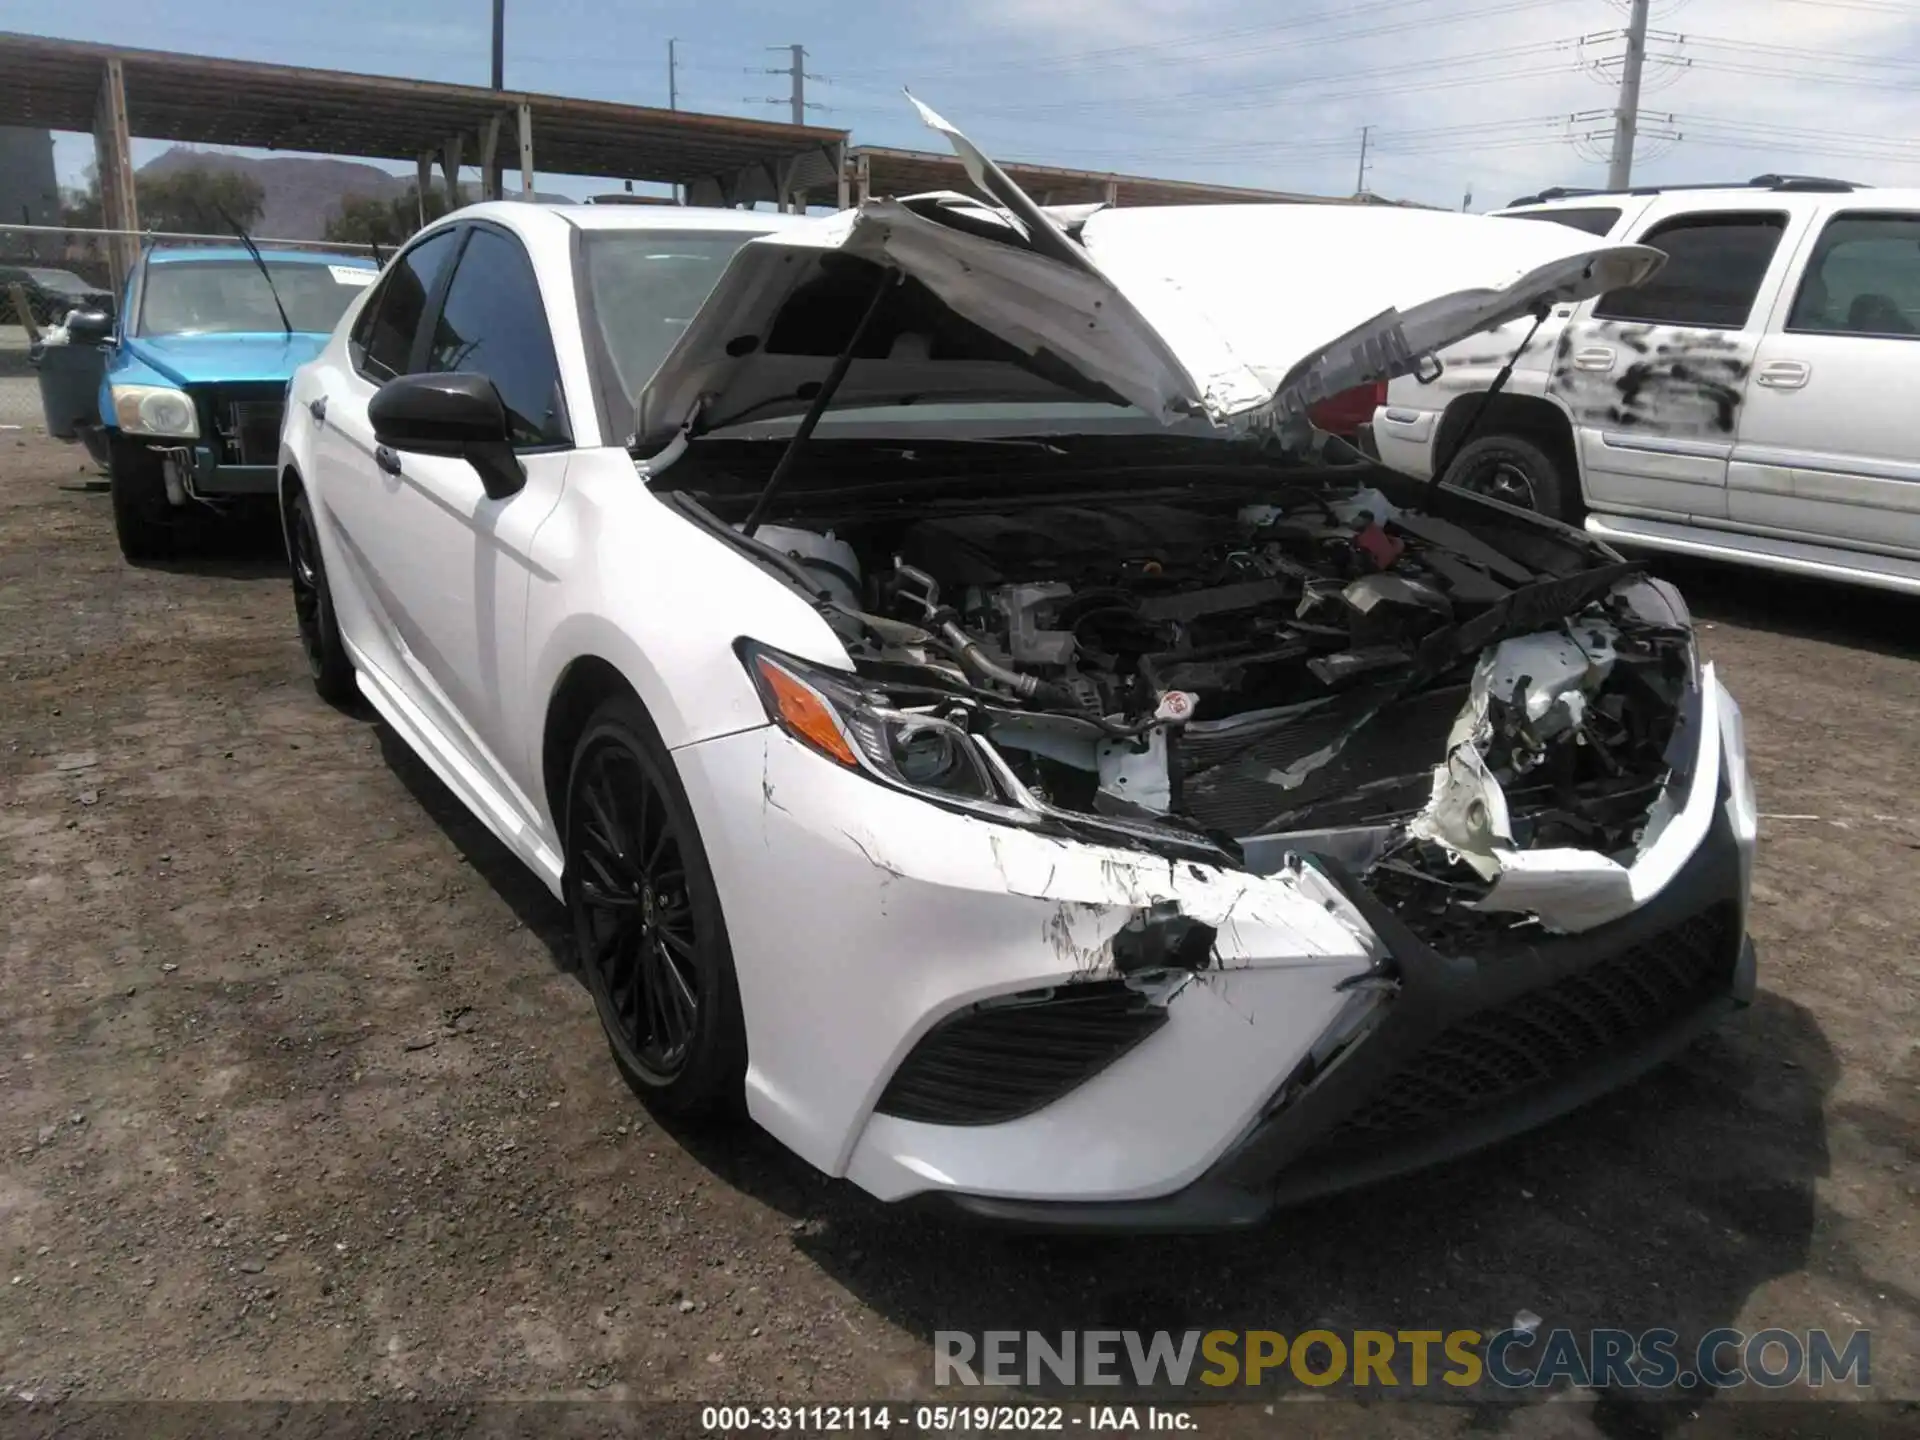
<point x="155" y="410"/>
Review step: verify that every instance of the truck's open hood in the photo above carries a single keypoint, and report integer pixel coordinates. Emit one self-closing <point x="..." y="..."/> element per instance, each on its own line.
<point x="1240" y="314"/>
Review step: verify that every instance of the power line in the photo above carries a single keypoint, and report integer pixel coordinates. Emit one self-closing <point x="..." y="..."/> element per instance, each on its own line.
<point x="1075" y="64"/>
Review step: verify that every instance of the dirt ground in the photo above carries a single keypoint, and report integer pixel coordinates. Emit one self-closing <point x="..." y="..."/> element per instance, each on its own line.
<point x="303" y="1100"/>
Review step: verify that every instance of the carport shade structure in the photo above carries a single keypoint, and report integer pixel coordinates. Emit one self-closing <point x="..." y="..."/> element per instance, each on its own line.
<point x="879" y="170"/>
<point x="117" y="93"/>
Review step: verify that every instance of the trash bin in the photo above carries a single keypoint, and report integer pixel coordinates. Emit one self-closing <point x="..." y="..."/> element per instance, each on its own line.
<point x="69" y="384"/>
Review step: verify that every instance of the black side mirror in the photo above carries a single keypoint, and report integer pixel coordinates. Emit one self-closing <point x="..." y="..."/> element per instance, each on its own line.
<point x="89" y="327"/>
<point x="458" y="414"/>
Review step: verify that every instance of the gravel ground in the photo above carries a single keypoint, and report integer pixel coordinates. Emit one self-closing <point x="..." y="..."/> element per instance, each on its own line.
<point x="305" y="1101"/>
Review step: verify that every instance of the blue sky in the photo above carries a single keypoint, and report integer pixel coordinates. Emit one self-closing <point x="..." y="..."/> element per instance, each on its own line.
<point x="1495" y="96"/>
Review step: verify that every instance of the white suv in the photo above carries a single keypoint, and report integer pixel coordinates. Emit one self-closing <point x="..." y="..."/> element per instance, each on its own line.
<point x="1750" y="403"/>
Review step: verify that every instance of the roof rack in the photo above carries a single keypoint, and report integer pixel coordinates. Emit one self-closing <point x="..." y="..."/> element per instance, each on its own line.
<point x="1803" y="184"/>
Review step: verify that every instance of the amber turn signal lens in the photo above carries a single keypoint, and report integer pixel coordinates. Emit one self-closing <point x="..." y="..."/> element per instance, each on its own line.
<point x="805" y="714"/>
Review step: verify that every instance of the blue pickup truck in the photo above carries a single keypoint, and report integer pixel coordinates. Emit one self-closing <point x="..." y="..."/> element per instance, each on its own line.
<point x="194" y="382"/>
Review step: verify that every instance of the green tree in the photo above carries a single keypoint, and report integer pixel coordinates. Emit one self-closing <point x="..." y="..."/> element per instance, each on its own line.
<point x="200" y="201"/>
<point x="369" y="220"/>
<point x="190" y="200"/>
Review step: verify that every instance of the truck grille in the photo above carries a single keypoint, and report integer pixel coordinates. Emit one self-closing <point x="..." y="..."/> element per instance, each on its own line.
<point x="1541" y="1037"/>
<point x="997" y="1062"/>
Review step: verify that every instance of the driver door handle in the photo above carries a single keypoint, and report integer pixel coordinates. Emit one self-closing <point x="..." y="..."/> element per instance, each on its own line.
<point x="1596" y="358"/>
<point x="318" y="409"/>
<point x="387" y="459"/>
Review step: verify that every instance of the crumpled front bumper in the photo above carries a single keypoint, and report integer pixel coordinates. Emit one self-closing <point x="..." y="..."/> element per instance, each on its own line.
<point x="861" y="918"/>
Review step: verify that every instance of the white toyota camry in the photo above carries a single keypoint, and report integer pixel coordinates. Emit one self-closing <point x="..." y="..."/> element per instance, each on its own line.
<point x="970" y="710"/>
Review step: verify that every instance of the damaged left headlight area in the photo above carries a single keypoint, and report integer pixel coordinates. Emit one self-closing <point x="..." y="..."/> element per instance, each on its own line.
<point x="940" y="745"/>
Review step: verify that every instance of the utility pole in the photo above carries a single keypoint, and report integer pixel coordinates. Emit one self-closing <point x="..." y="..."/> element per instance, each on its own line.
<point x="1360" y="184"/>
<point x="673" y="76"/>
<point x="1626" y="118"/>
<point x="499" y="44"/>
<point x="799" y="74"/>
<point x="796" y="72"/>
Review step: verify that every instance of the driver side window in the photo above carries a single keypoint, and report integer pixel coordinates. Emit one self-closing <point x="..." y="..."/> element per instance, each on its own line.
<point x="493" y="323"/>
<point x="382" y="341"/>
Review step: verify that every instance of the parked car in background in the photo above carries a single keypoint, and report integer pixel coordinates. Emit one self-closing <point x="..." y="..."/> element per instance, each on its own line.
<point x="50" y="293"/>
<point x="1752" y="404"/>
<point x="960" y="716"/>
<point x="189" y="406"/>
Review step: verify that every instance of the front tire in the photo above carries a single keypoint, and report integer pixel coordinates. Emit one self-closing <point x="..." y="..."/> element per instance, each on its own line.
<point x="647" y="921"/>
<point x="313" y="609"/>
<point x="1518" y="470"/>
<point x="145" y="524"/>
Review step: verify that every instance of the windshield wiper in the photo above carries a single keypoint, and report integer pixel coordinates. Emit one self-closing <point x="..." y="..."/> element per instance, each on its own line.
<point x="265" y="274"/>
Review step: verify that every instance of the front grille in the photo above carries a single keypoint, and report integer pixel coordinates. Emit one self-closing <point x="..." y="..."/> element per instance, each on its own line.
<point x="999" y="1061"/>
<point x="1610" y="1008"/>
<point x="245" y="421"/>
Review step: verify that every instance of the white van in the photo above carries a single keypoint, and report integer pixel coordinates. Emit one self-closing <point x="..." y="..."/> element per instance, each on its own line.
<point x="1757" y="401"/>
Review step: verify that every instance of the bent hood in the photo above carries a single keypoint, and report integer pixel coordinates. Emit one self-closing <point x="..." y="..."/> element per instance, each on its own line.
<point x="217" y="359"/>
<point x="1244" y="315"/>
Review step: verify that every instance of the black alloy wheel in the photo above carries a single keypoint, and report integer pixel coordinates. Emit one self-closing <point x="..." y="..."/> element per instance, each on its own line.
<point x="647" y="918"/>
<point x="313" y="611"/>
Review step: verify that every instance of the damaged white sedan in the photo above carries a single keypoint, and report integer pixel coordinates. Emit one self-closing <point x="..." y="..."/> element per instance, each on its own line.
<point x="968" y="710"/>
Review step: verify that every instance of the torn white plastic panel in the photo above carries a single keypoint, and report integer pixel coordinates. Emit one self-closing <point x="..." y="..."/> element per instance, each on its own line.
<point x="1468" y="812"/>
<point x="1575" y="890"/>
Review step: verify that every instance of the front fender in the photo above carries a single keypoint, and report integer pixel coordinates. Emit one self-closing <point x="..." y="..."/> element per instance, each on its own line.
<point x="623" y="578"/>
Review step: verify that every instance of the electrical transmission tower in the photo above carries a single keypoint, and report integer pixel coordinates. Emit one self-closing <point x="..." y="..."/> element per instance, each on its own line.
<point x="797" y="72"/>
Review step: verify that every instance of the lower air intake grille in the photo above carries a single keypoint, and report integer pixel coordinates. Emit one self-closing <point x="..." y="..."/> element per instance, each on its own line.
<point x="997" y="1062"/>
<point x="1543" y="1036"/>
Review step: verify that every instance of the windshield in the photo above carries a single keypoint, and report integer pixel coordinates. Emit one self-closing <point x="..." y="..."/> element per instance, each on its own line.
<point x="228" y="297"/>
<point x="643" y="287"/>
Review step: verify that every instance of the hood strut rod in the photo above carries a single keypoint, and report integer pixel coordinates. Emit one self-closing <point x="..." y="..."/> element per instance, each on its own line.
<point x="1480" y="411"/>
<point x="888" y="278"/>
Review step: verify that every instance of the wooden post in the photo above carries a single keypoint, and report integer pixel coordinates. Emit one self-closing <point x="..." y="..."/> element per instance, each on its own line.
<point x="422" y="183"/>
<point x="525" y="118"/>
<point x="113" y="163"/>
<point x="489" y="148"/>
<point x="450" y="167"/>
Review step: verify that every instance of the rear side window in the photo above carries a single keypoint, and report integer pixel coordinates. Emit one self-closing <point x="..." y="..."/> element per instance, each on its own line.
<point x="493" y="324"/>
<point x="1715" y="265"/>
<point x="383" y="336"/>
<point x="1863" y="279"/>
<point x="1597" y="221"/>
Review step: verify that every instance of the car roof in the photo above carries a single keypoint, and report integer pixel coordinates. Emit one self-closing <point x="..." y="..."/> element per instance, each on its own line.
<point x="174" y="254"/>
<point x="536" y="220"/>
<point x="1852" y="197"/>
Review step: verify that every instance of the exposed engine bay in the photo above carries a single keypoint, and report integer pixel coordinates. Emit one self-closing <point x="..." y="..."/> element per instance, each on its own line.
<point x="1272" y="653"/>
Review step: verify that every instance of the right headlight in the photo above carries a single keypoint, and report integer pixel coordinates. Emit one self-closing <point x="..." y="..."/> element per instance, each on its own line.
<point x="859" y="727"/>
<point x="157" y="410"/>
